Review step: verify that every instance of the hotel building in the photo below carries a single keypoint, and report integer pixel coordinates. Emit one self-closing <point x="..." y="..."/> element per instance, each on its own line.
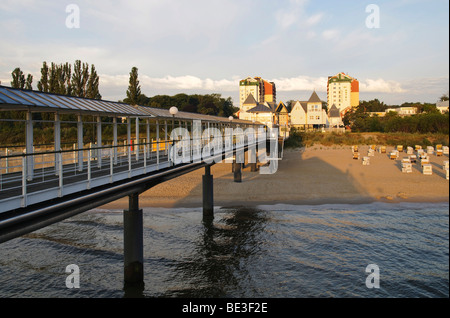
<point x="262" y="91"/>
<point x="343" y="92"/>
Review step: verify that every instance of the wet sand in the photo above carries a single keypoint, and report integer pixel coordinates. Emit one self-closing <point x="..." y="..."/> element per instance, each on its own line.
<point x="314" y="175"/>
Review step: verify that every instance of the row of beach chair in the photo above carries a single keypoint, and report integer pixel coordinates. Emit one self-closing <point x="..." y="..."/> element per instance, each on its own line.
<point x="422" y="155"/>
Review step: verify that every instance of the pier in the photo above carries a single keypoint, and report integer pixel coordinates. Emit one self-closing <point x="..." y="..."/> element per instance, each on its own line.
<point x="44" y="184"/>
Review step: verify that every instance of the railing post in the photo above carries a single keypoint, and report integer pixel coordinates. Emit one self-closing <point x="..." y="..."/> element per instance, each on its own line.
<point x="111" y="161"/>
<point x="24" y="181"/>
<point x="145" y="158"/>
<point x="60" y="174"/>
<point x="89" y="169"/>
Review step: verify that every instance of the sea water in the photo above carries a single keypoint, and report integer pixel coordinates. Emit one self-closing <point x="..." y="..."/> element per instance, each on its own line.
<point x="265" y="251"/>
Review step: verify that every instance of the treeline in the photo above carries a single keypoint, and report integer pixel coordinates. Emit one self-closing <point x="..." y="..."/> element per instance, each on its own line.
<point x="59" y="79"/>
<point x="428" y="119"/>
<point x="210" y="104"/>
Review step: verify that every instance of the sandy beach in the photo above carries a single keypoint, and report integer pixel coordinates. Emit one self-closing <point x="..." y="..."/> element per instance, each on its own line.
<point x="314" y="175"/>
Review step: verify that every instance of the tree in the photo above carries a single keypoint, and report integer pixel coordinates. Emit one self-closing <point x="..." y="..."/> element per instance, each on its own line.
<point x="92" y="85"/>
<point x="28" y="82"/>
<point x="43" y="83"/>
<point x="134" y="89"/>
<point x="18" y="79"/>
<point x="444" y="97"/>
<point x="79" y="78"/>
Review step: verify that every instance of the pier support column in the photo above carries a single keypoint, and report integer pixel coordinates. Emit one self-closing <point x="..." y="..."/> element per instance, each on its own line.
<point x="208" y="195"/>
<point x="237" y="169"/>
<point x="133" y="243"/>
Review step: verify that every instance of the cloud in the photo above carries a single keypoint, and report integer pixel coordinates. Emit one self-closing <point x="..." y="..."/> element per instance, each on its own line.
<point x="185" y="82"/>
<point x="381" y="86"/>
<point x="301" y="83"/>
<point x="330" y="34"/>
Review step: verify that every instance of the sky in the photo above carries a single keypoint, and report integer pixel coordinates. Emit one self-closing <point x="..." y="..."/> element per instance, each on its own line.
<point x="397" y="49"/>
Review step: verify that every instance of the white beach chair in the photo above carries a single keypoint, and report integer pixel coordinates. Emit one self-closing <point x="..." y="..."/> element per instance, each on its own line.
<point x="393" y="155"/>
<point x="409" y="150"/>
<point x="445" y="150"/>
<point x="427" y="169"/>
<point x="430" y="150"/>
<point x="366" y="161"/>
<point x="406" y="167"/>
<point x="445" y="165"/>
<point x="413" y="158"/>
<point x="371" y="152"/>
<point x="424" y="161"/>
<point x="406" y="160"/>
<point x="382" y="149"/>
<point x="446" y="173"/>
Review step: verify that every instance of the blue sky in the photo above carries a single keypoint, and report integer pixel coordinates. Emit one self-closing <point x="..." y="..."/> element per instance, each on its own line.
<point x="207" y="46"/>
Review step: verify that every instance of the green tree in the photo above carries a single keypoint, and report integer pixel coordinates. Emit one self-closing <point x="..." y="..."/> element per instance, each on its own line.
<point x="79" y="78"/>
<point x="43" y="83"/>
<point x="28" y="82"/>
<point x="92" y="90"/>
<point x="18" y="78"/>
<point x="134" y="89"/>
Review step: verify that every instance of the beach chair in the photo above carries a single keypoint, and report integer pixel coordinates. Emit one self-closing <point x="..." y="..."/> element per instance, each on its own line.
<point x="373" y="147"/>
<point x="427" y="169"/>
<point x="413" y="158"/>
<point x="393" y="155"/>
<point x="382" y="149"/>
<point x="446" y="173"/>
<point x="409" y="150"/>
<point x="371" y="152"/>
<point x="366" y="161"/>
<point x="424" y="161"/>
<point x="400" y="148"/>
<point x="439" y="152"/>
<point x="417" y="147"/>
<point x="354" y="148"/>
<point x="406" y="160"/>
<point x="445" y="165"/>
<point x="356" y="155"/>
<point x="430" y="150"/>
<point x="406" y="167"/>
<point x="445" y="150"/>
<point x="439" y="147"/>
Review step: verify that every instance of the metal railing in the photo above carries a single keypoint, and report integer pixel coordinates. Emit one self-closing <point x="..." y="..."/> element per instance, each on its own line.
<point x="35" y="177"/>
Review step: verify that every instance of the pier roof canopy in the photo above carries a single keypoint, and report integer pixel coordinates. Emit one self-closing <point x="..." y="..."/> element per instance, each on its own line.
<point x="36" y="101"/>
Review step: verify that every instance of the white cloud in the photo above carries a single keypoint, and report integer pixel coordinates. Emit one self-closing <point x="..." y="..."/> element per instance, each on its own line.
<point x="381" y="86"/>
<point x="301" y="83"/>
<point x="330" y="34"/>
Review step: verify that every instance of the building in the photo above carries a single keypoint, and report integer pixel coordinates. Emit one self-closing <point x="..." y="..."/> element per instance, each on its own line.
<point x="442" y="106"/>
<point x="334" y="117"/>
<point x="403" y="111"/>
<point x="309" y="114"/>
<point x="262" y="91"/>
<point x="343" y="92"/>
